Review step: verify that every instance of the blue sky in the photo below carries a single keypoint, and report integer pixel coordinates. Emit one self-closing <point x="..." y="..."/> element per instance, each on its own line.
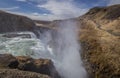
<point x="52" y="9"/>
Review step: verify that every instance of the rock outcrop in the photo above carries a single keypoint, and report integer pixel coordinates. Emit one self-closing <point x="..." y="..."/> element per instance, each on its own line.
<point x="42" y="66"/>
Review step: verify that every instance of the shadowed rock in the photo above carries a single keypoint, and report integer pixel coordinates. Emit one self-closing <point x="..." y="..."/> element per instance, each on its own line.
<point x="7" y="60"/>
<point x="43" y="66"/>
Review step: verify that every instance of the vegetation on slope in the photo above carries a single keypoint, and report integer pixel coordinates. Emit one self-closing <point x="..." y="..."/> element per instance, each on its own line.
<point x="101" y="47"/>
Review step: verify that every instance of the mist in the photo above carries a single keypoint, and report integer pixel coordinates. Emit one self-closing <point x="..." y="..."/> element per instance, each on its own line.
<point x="66" y="51"/>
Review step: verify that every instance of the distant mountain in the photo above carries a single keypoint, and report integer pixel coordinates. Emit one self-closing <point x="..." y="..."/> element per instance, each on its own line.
<point x="11" y="22"/>
<point x="42" y="22"/>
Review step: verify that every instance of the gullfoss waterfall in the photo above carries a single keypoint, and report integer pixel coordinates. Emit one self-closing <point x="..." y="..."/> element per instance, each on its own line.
<point x="62" y="47"/>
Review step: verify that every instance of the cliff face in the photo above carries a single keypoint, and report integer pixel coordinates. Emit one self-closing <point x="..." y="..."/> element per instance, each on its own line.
<point x="100" y="38"/>
<point x="10" y="23"/>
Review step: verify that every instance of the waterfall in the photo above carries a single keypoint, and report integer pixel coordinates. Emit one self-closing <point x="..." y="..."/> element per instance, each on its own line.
<point x="62" y="47"/>
<point x="66" y="50"/>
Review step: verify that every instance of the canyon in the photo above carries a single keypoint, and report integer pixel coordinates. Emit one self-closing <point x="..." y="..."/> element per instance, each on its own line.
<point x="98" y="35"/>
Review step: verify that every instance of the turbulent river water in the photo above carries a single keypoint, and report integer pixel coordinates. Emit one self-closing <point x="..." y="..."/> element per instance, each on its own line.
<point x="64" y="52"/>
<point x="24" y="44"/>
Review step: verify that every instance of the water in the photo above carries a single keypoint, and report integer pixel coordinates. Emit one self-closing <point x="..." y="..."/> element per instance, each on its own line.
<point x="23" y="44"/>
<point x="67" y="51"/>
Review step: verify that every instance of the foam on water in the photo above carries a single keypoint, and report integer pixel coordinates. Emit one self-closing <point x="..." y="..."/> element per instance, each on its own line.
<point x="23" y="46"/>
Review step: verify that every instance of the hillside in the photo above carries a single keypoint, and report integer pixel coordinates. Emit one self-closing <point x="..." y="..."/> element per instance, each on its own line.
<point x="11" y="22"/>
<point x="106" y="18"/>
<point x="100" y="38"/>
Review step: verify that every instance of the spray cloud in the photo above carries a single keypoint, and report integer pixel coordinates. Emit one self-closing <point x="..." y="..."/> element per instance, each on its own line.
<point x="67" y="51"/>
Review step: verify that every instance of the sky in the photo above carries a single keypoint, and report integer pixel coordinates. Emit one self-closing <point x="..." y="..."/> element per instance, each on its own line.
<point x="52" y="9"/>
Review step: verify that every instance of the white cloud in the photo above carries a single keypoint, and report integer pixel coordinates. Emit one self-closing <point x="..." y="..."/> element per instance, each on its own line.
<point x="10" y="8"/>
<point x="37" y="1"/>
<point x="48" y="17"/>
<point x="62" y="9"/>
<point x="58" y="10"/>
<point x="22" y="0"/>
<point x="35" y="16"/>
<point x="113" y="2"/>
<point x="45" y="14"/>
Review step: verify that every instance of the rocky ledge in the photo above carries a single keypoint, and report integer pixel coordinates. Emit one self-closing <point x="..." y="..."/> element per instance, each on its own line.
<point x="26" y="67"/>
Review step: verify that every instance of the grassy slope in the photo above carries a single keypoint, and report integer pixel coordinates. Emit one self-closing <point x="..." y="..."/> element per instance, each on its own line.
<point x="102" y="47"/>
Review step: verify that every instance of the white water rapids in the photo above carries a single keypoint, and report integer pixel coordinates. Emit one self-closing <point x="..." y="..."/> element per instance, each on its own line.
<point x="21" y="45"/>
<point x="64" y="52"/>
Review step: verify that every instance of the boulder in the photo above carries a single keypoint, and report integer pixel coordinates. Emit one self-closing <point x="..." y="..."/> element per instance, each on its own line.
<point x="43" y="66"/>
